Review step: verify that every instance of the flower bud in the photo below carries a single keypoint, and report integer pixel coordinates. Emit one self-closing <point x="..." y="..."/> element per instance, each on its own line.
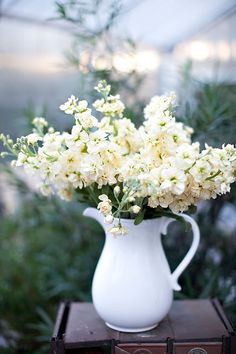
<point x="3" y="154"/>
<point x="135" y="209"/>
<point x="117" y="190"/>
<point x="131" y="199"/>
<point x="108" y="219"/>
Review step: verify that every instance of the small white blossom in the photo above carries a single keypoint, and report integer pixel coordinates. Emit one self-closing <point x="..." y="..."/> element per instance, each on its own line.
<point x="33" y="138"/>
<point x="111" y="107"/>
<point x="105" y="206"/>
<point x="86" y="119"/>
<point x="40" y="122"/>
<point x="45" y="190"/>
<point x="117" y="190"/>
<point x="73" y="105"/>
<point x="103" y="87"/>
<point x="103" y="197"/>
<point x="108" y="219"/>
<point x="65" y="194"/>
<point x="131" y="199"/>
<point x="173" y="180"/>
<point x="82" y="106"/>
<point x="159" y="104"/>
<point x="118" y="230"/>
<point x="21" y="159"/>
<point x="135" y="209"/>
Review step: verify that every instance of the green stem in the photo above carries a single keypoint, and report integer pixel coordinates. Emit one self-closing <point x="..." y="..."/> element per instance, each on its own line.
<point x="213" y="176"/>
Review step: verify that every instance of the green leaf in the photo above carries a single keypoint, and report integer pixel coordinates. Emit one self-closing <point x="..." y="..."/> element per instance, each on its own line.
<point x="139" y="217"/>
<point x="192" y="209"/>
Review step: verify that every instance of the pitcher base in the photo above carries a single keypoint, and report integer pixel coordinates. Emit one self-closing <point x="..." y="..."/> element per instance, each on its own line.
<point x="131" y="330"/>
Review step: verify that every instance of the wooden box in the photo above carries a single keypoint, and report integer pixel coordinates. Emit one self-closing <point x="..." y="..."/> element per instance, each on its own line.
<point x="191" y="327"/>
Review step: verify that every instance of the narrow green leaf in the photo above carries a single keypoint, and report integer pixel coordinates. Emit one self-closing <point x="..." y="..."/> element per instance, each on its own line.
<point x="192" y="209"/>
<point x="139" y="217"/>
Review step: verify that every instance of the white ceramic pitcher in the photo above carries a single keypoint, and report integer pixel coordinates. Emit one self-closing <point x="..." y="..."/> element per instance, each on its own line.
<point x="133" y="287"/>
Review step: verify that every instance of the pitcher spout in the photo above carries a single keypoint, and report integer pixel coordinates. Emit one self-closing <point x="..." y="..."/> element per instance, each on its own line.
<point x="94" y="214"/>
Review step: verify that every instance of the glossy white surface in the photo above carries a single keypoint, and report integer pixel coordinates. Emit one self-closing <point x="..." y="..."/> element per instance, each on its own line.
<point x="133" y="287"/>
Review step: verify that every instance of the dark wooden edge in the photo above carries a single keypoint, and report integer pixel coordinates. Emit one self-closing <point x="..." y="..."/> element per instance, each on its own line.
<point x="119" y="350"/>
<point x="62" y="316"/>
<point x="89" y="344"/>
<point x="174" y="340"/>
<point x="170" y="345"/>
<point x="228" y="325"/>
<point x="232" y="344"/>
<point x="57" y="343"/>
<point x="229" y="343"/>
<point x="140" y="344"/>
<point x="199" y="340"/>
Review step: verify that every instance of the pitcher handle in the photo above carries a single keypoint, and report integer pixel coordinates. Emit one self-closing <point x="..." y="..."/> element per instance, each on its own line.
<point x="190" y="254"/>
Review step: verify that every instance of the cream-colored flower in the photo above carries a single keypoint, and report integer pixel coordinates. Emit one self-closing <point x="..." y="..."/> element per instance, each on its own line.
<point x="103" y="197"/>
<point x="173" y="180"/>
<point x="103" y="87"/>
<point x="69" y="107"/>
<point x="118" y="230"/>
<point x="135" y="209"/>
<point x="21" y="159"/>
<point x="156" y="162"/>
<point x="45" y="190"/>
<point x="186" y="155"/>
<point x="111" y="107"/>
<point x="117" y="190"/>
<point x="201" y="170"/>
<point x="65" y="194"/>
<point x="86" y="119"/>
<point x="159" y="104"/>
<point x="105" y="206"/>
<point x="82" y="106"/>
<point x="108" y="219"/>
<point x="33" y="138"/>
<point x="40" y="122"/>
<point x="105" y="125"/>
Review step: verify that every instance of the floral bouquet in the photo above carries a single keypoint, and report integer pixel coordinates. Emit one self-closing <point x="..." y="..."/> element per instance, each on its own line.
<point x="126" y="172"/>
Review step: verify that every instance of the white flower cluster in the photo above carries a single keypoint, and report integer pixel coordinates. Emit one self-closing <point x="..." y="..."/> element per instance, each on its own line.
<point x="153" y="166"/>
<point x="109" y="105"/>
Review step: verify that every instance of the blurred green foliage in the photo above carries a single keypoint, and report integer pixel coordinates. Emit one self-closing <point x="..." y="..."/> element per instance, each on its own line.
<point x="48" y="251"/>
<point x="210" y="108"/>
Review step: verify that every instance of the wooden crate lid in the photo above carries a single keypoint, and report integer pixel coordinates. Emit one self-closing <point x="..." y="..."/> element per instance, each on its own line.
<point x="187" y="320"/>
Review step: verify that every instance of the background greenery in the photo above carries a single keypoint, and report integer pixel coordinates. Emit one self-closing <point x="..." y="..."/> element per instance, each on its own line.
<point x="48" y="251"/>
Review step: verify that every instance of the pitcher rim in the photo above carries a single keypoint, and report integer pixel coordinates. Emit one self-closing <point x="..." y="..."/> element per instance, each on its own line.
<point x="148" y="220"/>
<point x="129" y="221"/>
